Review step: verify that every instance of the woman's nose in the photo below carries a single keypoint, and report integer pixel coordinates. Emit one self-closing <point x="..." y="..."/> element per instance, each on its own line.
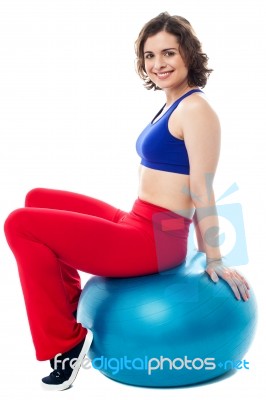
<point x="159" y="63"/>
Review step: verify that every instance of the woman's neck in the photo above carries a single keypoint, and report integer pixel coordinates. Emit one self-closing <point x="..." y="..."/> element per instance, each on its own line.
<point x="173" y="95"/>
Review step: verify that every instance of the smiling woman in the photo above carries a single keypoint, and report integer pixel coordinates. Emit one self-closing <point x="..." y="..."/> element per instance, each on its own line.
<point x="59" y="233"/>
<point x="183" y="41"/>
<point x="180" y="148"/>
<point x="164" y="66"/>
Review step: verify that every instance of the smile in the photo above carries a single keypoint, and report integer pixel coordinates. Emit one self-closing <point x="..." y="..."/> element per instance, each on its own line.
<point x="163" y="75"/>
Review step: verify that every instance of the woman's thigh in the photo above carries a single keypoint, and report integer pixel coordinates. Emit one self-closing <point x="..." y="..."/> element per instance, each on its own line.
<point x="87" y="243"/>
<point x="70" y="201"/>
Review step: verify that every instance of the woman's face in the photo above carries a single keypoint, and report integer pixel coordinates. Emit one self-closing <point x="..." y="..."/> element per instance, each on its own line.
<point x="163" y="62"/>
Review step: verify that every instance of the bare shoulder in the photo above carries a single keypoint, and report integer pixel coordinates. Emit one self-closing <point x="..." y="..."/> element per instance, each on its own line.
<point x="193" y="112"/>
<point x="199" y="107"/>
<point x="197" y="103"/>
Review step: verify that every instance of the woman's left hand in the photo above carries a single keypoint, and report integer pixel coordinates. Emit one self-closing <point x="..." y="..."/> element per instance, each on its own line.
<point x="238" y="284"/>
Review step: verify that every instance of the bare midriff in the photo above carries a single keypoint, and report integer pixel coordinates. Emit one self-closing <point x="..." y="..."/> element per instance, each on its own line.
<point x="166" y="189"/>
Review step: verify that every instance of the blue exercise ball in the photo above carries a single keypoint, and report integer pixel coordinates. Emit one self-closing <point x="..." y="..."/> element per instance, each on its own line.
<point x="168" y="329"/>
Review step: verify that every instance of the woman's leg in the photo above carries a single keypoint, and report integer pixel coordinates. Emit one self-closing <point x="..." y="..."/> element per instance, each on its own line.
<point x="42" y="239"/>
<point x="69" y="201"/>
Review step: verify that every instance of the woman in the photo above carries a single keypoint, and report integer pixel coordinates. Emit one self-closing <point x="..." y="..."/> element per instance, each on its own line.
<point x="58" y="232"/>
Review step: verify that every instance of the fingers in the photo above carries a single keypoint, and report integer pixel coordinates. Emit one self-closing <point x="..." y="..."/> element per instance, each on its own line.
<point x="214" y="277"/>
<point x="237" y="282"/>
<point x="234" y="288"/>
<point x="242" y="285"/>
<point x="243" y="280"/>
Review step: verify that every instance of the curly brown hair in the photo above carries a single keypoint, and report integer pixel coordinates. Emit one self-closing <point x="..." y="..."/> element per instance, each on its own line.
<point x="190" y="48"/>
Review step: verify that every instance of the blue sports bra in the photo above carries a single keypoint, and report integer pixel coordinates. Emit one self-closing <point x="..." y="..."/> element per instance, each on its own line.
<point x="159" y="149"/>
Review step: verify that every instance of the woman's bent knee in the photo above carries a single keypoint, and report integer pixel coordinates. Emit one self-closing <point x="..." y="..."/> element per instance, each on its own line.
<point x="32" y="197"/>
<point x="14" y="223"/>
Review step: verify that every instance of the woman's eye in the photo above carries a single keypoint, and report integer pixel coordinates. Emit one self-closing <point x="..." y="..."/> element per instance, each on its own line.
<point x="148" y="56"/>
<point x="169" y="53"/>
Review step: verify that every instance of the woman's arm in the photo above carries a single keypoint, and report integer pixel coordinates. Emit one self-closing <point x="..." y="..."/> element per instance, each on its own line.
<point x="198" y="234"/>
<point x="202" y="135"/>
<point x="201" y="131"/>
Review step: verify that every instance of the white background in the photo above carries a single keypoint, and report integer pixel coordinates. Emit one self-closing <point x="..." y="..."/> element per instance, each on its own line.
<point x="71" y="108"/>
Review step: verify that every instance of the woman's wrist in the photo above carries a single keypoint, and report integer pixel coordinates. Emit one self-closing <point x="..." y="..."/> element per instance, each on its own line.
<point x="213" y="260"/>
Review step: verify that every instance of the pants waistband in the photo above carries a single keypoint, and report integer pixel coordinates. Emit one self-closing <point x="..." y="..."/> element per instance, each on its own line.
<point x="147" y="210"/>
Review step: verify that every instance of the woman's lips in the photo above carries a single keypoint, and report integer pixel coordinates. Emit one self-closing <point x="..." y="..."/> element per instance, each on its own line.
<point x="164" y="75"/>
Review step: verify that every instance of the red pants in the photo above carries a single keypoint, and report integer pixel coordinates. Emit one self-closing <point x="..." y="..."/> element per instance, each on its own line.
<point x="59" y="232"/>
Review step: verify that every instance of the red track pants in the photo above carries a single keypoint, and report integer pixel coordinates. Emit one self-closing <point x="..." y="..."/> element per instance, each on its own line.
<point x="59" y="232"/>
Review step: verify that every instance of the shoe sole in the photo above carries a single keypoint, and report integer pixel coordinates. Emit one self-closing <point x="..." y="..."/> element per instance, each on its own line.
<point x="65" y="385"/>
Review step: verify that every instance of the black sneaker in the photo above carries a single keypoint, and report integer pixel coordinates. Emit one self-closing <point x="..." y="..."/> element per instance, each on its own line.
<point x="67" y="366"/>
<point x="52" y="361"/>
